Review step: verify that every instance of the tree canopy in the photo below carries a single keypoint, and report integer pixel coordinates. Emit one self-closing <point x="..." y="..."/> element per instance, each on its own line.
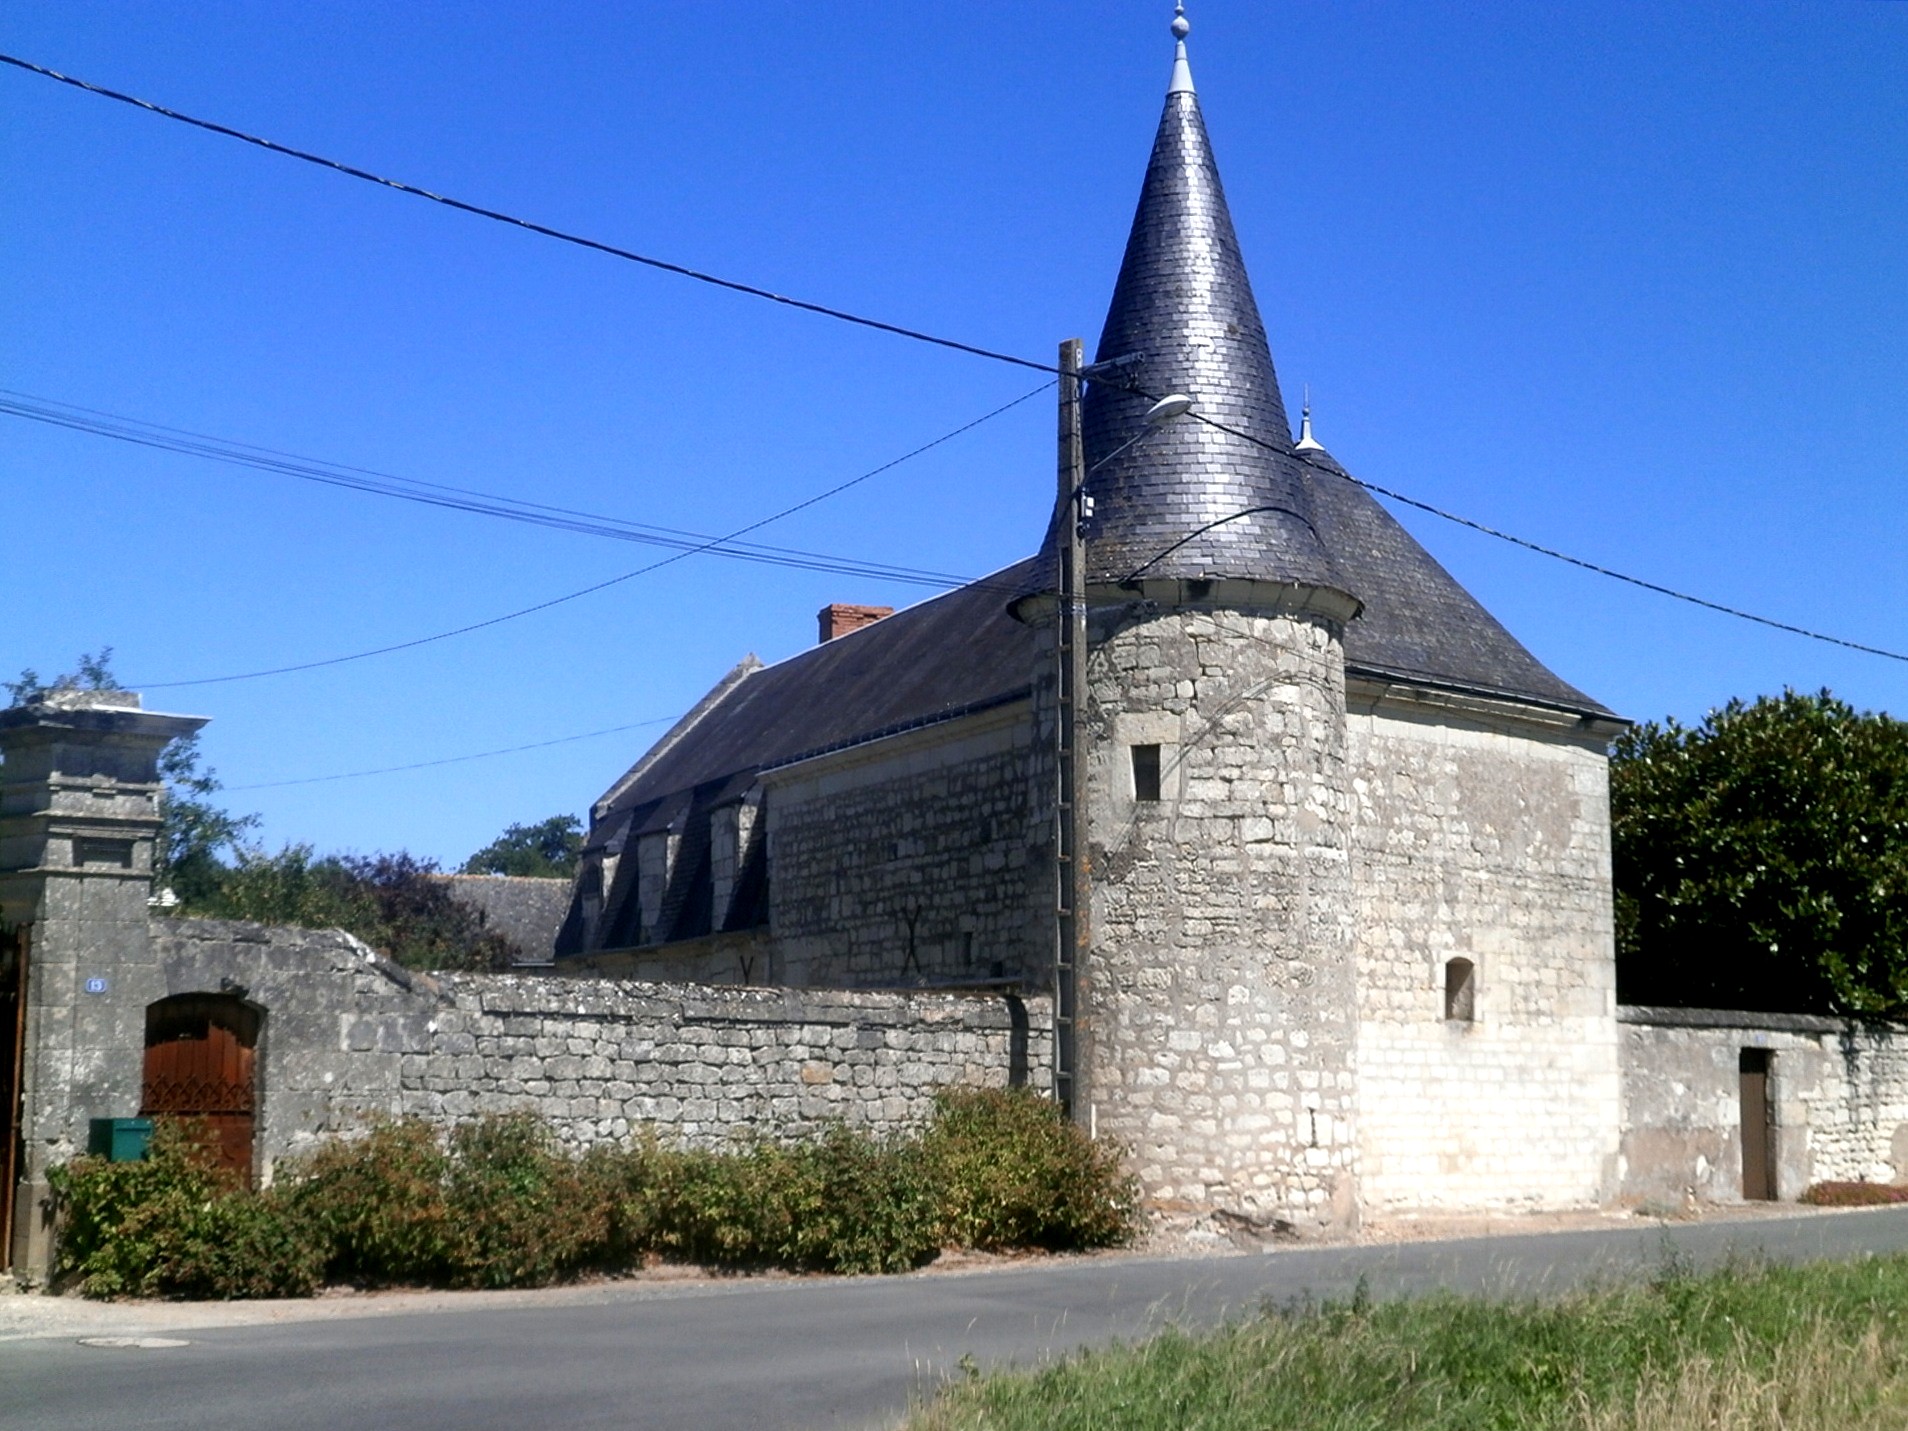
<point x="1761" y="859"/>
<point x="397" y="904"/>
<point x="547" y="849"/>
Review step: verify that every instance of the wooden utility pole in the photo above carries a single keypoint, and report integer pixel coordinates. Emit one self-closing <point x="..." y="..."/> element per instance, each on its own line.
<point x="1071" y="898"/>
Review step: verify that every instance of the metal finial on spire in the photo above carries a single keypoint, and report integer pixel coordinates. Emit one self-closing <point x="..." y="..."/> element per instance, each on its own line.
<point x="1307" y="442"/>
<point x="1182" y="72"/>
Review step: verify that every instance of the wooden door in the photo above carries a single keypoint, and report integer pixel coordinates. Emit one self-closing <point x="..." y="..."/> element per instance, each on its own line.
<point x="13" y="976"/>
<point x="201" y="1052"/>
<point x="1758" y="1127"/>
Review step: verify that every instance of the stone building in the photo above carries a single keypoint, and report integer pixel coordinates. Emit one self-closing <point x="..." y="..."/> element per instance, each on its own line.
<point x="1350" y="930"/>
<point x="1349" y="942"/>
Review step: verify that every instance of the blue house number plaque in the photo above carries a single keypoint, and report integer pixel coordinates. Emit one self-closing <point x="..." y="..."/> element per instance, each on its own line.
<point x="95" y="985"/>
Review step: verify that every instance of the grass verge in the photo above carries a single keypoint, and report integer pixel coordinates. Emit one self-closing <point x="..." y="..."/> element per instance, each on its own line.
<point x="1818" y="1348"/>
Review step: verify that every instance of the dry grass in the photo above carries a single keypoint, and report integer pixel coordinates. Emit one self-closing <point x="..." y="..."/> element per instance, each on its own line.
<point x="1820" y="1348"/>
<point x="1817" y="1383"/>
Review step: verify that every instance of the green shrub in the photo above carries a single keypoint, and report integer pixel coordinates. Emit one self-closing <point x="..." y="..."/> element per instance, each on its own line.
<point x="497" y="1204"/>
<point x="1013" y="1173"/>
<point x="245" y="1245"/>
<point x="859" y="1204"/>
<point x="380" y="1204"/>
<point x="720" y="1209"/>
<point x="846" y="1202"/>
<point x="523" y="1213"/>
<point x="177" y="1225"/>
<point x="394" y="903"/>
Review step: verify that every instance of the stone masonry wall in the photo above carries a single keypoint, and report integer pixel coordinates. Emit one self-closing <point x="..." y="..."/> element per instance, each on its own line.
<point x="348" y="1036"/>
<point x="1839" y="1092"/>
<point x="1489" y="845"/>
<point x="910" y="859"/>
<point x="1219" y="1041"/>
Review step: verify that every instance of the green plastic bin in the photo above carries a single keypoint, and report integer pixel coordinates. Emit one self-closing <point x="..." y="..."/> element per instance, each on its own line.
<point x="120" y="1140"/>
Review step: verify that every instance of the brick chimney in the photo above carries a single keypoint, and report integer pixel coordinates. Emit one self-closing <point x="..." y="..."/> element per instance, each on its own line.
<point x="839" y="619"/>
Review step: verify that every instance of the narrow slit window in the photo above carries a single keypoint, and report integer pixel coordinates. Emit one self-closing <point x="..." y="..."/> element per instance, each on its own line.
<point x="1460" y="991"/>
<point x="1146" y="772"/>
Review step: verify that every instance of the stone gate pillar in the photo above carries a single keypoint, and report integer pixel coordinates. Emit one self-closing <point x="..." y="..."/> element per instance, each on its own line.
<point x="79" y="818"/>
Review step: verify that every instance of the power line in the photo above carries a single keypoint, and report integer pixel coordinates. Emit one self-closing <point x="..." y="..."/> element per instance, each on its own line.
<point x="594" y="587"/>
<point x="496" y="216"/>
<point x="1543" y="550"/>
<point x="140" y="433"/>
<point x="452" y="759"/>
<point x="860" y="320"/>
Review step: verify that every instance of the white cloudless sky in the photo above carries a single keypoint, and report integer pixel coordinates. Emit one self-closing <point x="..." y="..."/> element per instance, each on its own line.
<point x="1630" y="280"/>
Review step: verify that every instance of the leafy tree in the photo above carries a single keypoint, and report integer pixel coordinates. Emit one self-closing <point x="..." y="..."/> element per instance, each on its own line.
<point x="1761" y="859"/>
<point x="395" y="903"/>
<point x="548" y="849"/>
<point x="91" y="673"/>
<point x="197" y="835"/>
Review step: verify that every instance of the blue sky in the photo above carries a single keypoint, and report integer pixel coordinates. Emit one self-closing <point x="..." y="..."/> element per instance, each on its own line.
<point x="1628" y="280"/>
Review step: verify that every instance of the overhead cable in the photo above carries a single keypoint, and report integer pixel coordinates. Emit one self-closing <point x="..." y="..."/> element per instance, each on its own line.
<point x="434" y="494"/>
<point x="497" y="216"/>
<point x="594" y="587"/>
<point x="859" y="320"/>
<point x="1543" y="550"/>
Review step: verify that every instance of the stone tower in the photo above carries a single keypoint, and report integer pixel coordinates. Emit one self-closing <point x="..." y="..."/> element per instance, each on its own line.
<point x="1216" y="997"/>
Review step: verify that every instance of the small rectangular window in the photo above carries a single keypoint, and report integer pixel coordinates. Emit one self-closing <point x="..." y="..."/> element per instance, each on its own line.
<point x="1146" y="772"/>
<point x="1460" y="991"/>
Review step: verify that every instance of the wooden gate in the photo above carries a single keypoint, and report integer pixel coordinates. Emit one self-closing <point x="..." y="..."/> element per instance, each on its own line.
<point x="1758" y="1127"/>
<point x="201" y="1052"/>
<point x="13" y="975"/>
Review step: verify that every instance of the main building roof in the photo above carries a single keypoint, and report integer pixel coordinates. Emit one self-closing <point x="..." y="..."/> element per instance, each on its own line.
<point x="1184" y="319"/>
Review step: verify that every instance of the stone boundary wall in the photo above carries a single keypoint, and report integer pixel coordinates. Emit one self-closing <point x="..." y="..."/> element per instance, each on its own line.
<point x="348" y="1036"/>
<point x="1839" y="1090"/>
<point x="705" y="1063"/>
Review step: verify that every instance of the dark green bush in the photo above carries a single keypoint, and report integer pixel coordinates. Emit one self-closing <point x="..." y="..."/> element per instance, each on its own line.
<point x="720" y="1209"/>
<point x="176" y="1225"/>
<point x="245" y="1245"/>
<point x="859" y="1204"/>
<point x="844" y="1203"/>
<point x="380" y="1204"/>
<point x="497" y="1204"/>
<point x="524" y="1214"/>
<point x="1012" y="1172"/>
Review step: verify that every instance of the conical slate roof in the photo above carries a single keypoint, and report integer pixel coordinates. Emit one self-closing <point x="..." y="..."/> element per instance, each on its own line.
<point x="1184" y="320"/>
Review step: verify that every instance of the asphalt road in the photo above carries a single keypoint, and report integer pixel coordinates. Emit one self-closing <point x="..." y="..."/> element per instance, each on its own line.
<point x="798" y="1354"/>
